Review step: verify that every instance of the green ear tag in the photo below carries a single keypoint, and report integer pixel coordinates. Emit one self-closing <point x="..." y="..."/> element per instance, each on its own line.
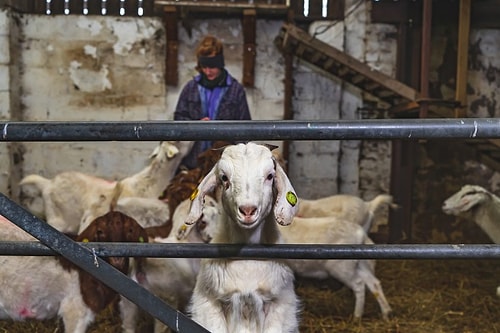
<point x="85" y="240"/>
<point x="141" y="239"/>
<point x="291" y="198"/>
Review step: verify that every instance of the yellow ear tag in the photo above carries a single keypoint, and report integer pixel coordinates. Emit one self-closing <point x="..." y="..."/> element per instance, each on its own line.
<point x="141" y="239"/>
<point x="194" y="194"/>
<point x="183" y="227"/>
<point x="85" y="240"/>
<point x="291" y="198"/>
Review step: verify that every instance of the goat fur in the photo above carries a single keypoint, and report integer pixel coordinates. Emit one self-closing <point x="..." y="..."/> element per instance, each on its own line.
<point x="356" y="274"/>
<point x="246" y="296"/>
<point x="171" y="279"/>
<point x="347" y="207"/>
<point x="44" y="287"/>
<point x="69" y="195"/>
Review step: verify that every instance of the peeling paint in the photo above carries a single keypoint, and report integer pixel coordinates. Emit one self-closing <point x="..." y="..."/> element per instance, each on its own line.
<point x="129" y="34"/>
<point x="90" y="50"/>
<point x="92" y="25"/>
<point x="483" y="107"/>
<point x="87" y="80"/>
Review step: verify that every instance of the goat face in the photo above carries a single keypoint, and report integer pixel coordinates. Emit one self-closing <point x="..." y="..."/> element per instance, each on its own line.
<point x="245" y="177"/>
<point x="469" y="197"/>
<point x="251" y="183"/>
<point x="114" y="227"/>
<point x="111" y="227"/>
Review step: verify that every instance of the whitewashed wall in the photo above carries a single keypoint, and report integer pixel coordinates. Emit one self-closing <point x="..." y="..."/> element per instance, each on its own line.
<point x="4" y="97"/>
<point x="322" y="168"/>
<point x="105" y="68"/>
<point x="77" y="68"/>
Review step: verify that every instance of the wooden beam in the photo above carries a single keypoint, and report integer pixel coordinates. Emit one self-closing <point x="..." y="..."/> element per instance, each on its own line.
<point x="171" y="66"/>
<point x="249" y="48"/>
<point x="346" y="63"/>
<point x="462" y="57"/>
<point x="227" y="7"/>
<point x="425" y="55"/>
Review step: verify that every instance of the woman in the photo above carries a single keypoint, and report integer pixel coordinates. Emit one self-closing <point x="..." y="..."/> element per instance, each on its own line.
<point x="213" y="94"/>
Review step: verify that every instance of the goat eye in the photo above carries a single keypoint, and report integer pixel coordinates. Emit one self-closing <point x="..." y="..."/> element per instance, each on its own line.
<point x="270" y="176"/>
<point x="224" y="178"/>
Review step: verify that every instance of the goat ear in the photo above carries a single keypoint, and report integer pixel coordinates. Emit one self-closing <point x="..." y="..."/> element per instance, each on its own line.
<point x="207" y="185"/>
<point x="286" y="204"/>
<point x="172" y="151"/>
<point x="270" y="146"/>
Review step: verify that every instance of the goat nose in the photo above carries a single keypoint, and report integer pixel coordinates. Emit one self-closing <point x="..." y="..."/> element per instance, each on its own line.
<point x="248" y="210"/>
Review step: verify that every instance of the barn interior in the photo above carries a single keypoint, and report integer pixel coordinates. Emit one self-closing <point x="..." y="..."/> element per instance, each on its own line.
<point x="67" y="60"/>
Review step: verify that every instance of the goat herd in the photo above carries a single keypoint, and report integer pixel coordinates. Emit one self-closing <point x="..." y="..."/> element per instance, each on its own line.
<point x="239" y="194"/>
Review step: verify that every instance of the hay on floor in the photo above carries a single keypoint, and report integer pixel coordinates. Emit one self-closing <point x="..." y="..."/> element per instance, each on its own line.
<point x="427" y="296"/>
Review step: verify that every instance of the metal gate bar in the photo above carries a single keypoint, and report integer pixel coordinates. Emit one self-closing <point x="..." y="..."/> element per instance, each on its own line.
<point x="281" y="251"/>
<point x="411" y="129"/>
<point x="233" y="131"/>
<point x="85" y="259"/>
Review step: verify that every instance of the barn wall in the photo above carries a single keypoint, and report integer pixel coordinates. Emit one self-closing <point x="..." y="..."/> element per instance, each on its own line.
<point x="10" y="92"/>
<point x="103" y="68"/>
<point x="361" y="168"/>
<point x="4" y="98"/>
<point x="445" y="166"/>
<point x="79" y="68"/>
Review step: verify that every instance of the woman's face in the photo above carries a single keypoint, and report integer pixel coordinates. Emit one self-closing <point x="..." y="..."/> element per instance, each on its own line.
<point x="211" y="73"/>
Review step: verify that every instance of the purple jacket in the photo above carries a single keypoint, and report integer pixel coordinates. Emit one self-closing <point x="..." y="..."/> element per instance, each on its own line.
<point x="231" y="106"/>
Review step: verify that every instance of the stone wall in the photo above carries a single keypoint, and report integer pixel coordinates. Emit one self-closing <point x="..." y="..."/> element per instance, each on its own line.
<point x="355" y="167"/>
<point x="76" y="68"/>
<point x="79" y="68"/>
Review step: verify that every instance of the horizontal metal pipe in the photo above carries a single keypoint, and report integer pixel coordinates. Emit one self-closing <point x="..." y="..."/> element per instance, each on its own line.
<point x="281" y="251"/>
<point x="465" y="128"/>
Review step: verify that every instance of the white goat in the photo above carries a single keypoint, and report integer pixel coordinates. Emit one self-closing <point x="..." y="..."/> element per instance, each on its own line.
<point x="45" y="287"/>
<point x="246" y="296"/>
<point x="148" y="212"/>
<point x="475" y="203"/>
<point x="69" y="195"/>
<point x="355" y="274"/>
<point x="171" y="279"/>
<point x="345" y="206"/>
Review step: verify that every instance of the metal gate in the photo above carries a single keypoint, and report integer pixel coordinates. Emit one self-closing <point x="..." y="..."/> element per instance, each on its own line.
<point x="88" y="255"/>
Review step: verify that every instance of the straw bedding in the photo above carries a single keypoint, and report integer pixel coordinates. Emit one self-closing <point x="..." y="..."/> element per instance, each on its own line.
<point x="427" y="296"/>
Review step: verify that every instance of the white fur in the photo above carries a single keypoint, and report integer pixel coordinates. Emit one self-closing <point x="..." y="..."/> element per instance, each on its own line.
<point x="172" y="279"/>
<point x="73" y="199"/>
<point x="246" y="296"/>
<point x="39" y="287"/>
<point x="346" y="207"/>
<point x="475" y="203"/>
<point x="148" y="212"/>
<point x="354" y="273"/>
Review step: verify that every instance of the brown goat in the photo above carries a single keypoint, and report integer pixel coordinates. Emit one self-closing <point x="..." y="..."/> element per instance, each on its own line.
<point x="185" y="182"/>
<point x="111" y="227"/>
